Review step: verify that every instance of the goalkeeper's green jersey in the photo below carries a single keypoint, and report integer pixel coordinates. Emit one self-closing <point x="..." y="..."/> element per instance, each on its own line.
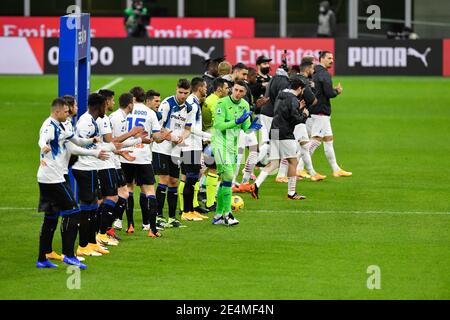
<point x="226" y="131"/>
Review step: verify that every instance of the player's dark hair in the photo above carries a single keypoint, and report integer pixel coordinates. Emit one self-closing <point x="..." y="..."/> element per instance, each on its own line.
<point x="138" y="93"/>
<point x="184" y="84"/>
<point x="296" y="82"/>
<point x="96" y="101"/>
<point x="125" y="99"/>
<point x="307" y="59"/>
<point x="70" y="100"/>
<point x="294" y="68"/>
<point x="218" y="83"/>
<point x="239" y="66"/>
<point x="196" y="83"/>
<point x="241" y="83"/>
<point x="151" y="94"/>
<point x="252" y="71"/>
<point x="323" y="54"/>
<point x="58" y="103"/>
<point x="305" y="65"/>
<point x="106" y="93"/>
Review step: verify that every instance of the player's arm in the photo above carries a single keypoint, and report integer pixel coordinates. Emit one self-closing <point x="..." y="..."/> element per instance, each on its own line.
<point x="46" y="135"/>
<point x="132" y="133"/>
<point x="200" y="133"/>
<point x="296" y="114"/>
<point x="76" y="150"/>
<point x="327" y="87"/>
<point x="220" y="123"/>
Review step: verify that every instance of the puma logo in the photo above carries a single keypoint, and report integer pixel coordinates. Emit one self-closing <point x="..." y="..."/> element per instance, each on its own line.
<point x="422" y="56"/>
<point x="199" y="52"/>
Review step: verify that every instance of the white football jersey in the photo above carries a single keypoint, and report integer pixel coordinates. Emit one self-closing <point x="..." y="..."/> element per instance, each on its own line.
<point x="68" y="127"/>
<point x="104" y="127"/>
<point x="174" y="118"/>
<point x="145" y="117"/>
<point x="53" y="163"/>
<point x="87" y="127"/>
<point x="194" y="141"/>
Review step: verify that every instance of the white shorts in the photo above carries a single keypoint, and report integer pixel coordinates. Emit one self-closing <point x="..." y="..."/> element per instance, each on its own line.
<point x="321" y="126"/>
<point x="265" y="130"/>
<point x="283" y="149"/>
<point x="247" y="139"/>
<point x="300" y="133"/>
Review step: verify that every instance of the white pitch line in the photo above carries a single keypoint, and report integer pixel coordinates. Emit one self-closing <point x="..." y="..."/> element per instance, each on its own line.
<point x="111" y="84"/>
<point x="300" y="211"/>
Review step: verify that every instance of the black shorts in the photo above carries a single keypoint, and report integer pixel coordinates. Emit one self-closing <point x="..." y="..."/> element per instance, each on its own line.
<point x="121" y="182"/>
<point x="191" y="161"/>
<point x="87" y="185"/>
<point x="209" y="160"/>
<point x="166" y="165"/>
<point x="57" y="199"/>
<point x="107" y="179"/>
<point x="141" y="174"/>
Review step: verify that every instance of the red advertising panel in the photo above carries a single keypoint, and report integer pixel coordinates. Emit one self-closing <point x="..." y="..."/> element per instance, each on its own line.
<point x="48" y="27"/>
<point x="247" y="50"/>
<point x="216" y="28"/>
<point x="112" y="27"/>
<point x="446" y="58"/>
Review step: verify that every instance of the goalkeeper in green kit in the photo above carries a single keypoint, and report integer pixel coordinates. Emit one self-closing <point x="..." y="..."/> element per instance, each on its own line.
<point x="232" y="114"/>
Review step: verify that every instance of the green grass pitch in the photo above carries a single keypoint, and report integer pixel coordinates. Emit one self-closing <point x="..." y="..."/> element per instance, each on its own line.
<point x="393" y="133"/>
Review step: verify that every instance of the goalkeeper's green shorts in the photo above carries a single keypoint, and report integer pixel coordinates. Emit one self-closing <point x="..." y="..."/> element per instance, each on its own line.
<point x="225" y="161"/>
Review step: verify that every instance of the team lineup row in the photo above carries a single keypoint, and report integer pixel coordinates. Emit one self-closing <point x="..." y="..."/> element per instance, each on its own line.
<point x="198" y="133"/>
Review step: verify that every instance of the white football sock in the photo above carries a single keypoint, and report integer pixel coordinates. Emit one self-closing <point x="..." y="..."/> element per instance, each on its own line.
<point x="249" y="166"/>
<point x="238" y="166"/>
<point x="307" y="159"/>
<point x="262" y="176"/>
<point x="282" y="170"/>
<point x="263" y="152"/>
<point x="313" y="145"/>
<point x="329" y="153"/>
<point x="292" y="183"/>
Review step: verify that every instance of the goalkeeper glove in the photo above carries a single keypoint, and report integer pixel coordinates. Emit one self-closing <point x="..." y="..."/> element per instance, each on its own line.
<point x="244" y="117"/>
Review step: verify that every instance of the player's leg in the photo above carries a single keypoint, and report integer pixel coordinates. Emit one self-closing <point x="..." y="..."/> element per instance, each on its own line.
<point x="316" y="125"/>
<point x="145" y="177"/>
<point x="146" y="181"/>
<point x="122" y="201"/>
<point x="48" y="226"/>
<point x="224" y="216"/>
<point x="191" y="173"/>
<point x="70" y="222"/>
<point x="264" y="146"/>
<point x="240" y="155"/>
<point x="329" y="150"/>
<point x="129" y="171"/>
<point x="301" y="134"/>
<point x="193" y="170"/>
<point x="172" y="190"/>
<point x="108" y="189"/>
<point x="212" y="179"/>
<point x="274" y="164"/>
<point x="250" y="164"/>
<point x="288" y="151"/>
<point x="160" y="167"/>
<point x="87" y="182"/>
